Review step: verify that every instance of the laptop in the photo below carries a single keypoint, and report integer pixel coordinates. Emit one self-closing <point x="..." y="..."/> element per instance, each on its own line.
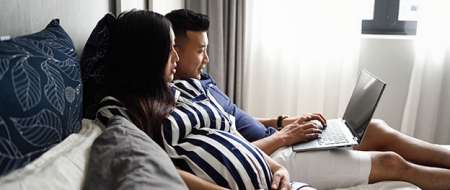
<point x="349" y="130"/>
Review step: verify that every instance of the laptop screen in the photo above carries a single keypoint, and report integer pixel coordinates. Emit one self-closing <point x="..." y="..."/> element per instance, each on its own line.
<point x="363" y="102"/>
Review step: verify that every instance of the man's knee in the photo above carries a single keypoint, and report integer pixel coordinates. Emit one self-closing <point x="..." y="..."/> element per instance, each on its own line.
<point x="393" y="162"/>
<point x="380" y="126"/>
<point x="377" y="122"/>
<point x="382" y="133"/>
<point x="378" y="136"/>
<point x="387" y="166"/>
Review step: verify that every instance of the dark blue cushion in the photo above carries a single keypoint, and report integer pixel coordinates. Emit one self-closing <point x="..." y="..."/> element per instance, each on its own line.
<point x="40" y="97"/>
<point x="95" y="56"/>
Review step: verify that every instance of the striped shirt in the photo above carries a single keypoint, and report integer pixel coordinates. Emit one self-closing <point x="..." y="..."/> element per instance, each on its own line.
<point x="201" y="138"/>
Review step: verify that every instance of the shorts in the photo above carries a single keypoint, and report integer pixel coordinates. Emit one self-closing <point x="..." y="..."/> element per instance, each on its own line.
<point x="326" y="169"/>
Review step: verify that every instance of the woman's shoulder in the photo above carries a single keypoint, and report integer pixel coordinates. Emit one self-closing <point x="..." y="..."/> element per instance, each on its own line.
<point x="192" y="87"/>
<point x="108" y="108"/>
<point x="123" y="148"/>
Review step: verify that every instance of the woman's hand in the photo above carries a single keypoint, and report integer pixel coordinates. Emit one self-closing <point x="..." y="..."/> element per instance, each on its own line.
<point x="307" y="188"/>
<point x="280" y="178"/>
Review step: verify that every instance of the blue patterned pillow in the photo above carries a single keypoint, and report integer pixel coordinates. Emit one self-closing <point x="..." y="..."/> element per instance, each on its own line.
<point x="40" y="97"/>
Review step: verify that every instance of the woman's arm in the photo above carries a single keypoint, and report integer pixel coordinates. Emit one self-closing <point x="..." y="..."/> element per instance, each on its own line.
<point x="196" y="183"/>
<point x="280" y="178"/>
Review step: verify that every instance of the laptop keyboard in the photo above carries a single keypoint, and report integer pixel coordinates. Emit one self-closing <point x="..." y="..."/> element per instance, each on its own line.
<point x="332" y="135"/>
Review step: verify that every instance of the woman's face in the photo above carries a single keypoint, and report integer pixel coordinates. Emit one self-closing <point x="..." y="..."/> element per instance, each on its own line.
<point x="173" y="59"/>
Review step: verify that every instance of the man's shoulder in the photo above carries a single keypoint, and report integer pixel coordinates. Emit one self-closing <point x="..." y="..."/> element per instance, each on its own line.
<point x="207" y="80"/>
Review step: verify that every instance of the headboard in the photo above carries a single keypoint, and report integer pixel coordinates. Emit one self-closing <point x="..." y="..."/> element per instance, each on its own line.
<point x="78" y="17"/>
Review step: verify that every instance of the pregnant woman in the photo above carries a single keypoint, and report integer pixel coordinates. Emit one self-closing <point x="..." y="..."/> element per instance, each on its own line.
<point x="199" y="137"/>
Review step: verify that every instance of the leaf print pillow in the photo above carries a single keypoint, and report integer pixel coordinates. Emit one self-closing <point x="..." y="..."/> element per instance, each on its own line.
<point x="40" y="95"/>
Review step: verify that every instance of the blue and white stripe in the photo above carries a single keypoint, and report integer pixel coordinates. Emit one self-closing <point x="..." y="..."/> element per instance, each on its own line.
<point x="200" y="137"/>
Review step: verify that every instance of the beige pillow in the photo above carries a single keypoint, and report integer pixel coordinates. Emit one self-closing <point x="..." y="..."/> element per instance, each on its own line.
<point x="60" y="168"/>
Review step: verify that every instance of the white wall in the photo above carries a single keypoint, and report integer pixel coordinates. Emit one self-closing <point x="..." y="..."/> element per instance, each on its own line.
<point x="77" y="17"/>
<point x="165" y="6"/>
<point x="391" y="59"/>
<point x="126" y="5"/>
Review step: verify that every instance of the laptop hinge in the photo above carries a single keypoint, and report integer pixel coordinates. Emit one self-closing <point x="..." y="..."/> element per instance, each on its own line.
<point x="355" y="135"/>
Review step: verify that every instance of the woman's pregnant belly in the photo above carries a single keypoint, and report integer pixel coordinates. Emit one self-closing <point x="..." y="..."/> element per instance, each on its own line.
<point x="222" y="158"/>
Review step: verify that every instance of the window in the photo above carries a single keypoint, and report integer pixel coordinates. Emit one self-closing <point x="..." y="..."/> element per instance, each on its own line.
<point x="397" y="17"/>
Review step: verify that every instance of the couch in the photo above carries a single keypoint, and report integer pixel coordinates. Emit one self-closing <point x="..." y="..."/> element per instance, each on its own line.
<point x="63" y="166"/>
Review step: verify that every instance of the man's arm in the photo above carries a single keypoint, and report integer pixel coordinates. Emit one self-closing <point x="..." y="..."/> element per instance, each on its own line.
<point x="270" y="144"/>
<point x="272" y="122"/>
<point x="261" y="135"/>
<point x="295" y="132"/>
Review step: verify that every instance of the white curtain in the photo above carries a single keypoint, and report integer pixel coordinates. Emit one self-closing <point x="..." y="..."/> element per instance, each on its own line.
<point x="301" y="56"/>
<point x="427" y="111"/>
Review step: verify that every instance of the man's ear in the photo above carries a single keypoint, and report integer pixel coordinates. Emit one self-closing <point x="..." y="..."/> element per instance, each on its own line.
<point x="178" y="49"/>
<point x="180" y="42"/>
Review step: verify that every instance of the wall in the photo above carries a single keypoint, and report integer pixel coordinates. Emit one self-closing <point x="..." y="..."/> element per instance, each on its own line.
<point x="125" y="5"/>
<point x="391" y="59"/>
<point x="165" y="6"/>
<point x="77" y="17"/>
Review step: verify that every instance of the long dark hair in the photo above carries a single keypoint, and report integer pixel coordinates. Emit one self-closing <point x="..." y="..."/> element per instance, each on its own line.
<point x="140" y="51"/>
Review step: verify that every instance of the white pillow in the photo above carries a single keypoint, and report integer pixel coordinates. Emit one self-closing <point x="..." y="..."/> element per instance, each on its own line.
<point x="62" y="167"/>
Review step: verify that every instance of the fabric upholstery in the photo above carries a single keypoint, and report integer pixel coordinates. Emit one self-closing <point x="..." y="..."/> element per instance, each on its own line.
<point x="94" y="58"/>
<point x="60" y="168"/>
<point x="40" y="99"/>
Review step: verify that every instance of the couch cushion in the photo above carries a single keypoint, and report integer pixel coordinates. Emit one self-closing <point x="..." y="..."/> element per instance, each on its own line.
<point x="93" y="60"/>
<point x="61" y="168"/>
<point x="41" y="95"/>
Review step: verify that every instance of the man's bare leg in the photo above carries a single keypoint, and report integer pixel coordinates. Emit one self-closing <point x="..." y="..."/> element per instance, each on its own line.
<point x="380" y="137"/>
<point x="389" y="166"/>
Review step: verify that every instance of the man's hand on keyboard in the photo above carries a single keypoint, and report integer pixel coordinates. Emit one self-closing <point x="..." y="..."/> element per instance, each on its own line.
<point x="305" y="118"/>
<point x="298" y="132"/>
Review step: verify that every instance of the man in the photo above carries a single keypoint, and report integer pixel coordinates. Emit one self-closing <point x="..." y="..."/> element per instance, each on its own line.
<point x="384" y="154"/>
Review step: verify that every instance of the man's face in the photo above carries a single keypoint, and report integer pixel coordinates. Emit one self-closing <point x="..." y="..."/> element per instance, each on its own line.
<point x="192" y="53"/>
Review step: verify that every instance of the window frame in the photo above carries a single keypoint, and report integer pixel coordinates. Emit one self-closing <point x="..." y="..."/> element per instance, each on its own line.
<point x="385" y="20"/>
